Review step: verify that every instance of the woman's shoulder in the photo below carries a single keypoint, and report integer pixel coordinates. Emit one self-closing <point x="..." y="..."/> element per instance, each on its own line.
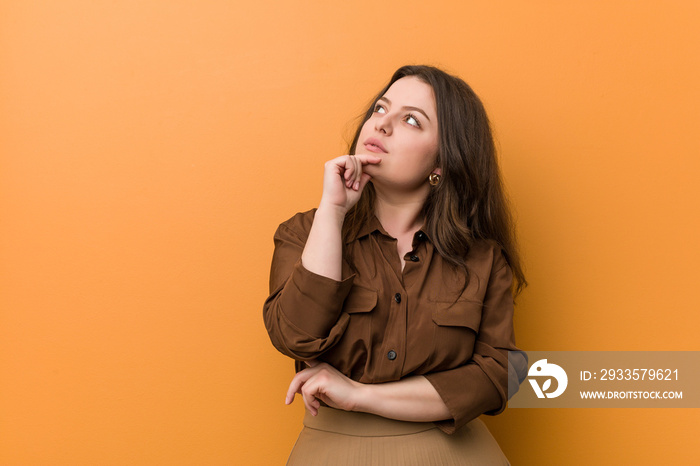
<point x="487" y="252"/>
<point x="485" y="246"/>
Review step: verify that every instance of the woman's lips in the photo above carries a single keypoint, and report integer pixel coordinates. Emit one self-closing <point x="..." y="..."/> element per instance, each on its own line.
<point x="374" y="145"/>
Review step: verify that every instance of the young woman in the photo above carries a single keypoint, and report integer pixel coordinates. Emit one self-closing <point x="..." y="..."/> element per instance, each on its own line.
<point x="395" y="295"/>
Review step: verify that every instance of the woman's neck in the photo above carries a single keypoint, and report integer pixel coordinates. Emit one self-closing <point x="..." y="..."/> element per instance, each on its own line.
<point x="400" y="214"/>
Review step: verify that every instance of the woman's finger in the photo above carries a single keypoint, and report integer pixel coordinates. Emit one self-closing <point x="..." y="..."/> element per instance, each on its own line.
<point x="350" y="169"/>
<point x="308" y="392"/>
<point x="301" y="378"/>
<point x="366" y="159"/>
<point x="363" y="181"/>
<point x="296" y="384"/>
<point x="357" y="174"/>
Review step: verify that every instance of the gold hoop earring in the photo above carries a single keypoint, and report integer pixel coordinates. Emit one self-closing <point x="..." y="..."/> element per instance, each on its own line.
<point x="434" y="179"/>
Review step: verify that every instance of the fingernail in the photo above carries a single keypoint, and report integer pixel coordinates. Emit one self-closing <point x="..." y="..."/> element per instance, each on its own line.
<point x="357" y="185"/>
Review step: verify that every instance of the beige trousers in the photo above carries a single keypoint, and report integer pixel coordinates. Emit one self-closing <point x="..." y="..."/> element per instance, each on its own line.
<point x="336" y="437"/>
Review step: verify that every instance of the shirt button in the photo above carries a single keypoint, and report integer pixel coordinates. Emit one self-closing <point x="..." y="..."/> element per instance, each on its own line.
<point x="391" y="355"/>
<point x="397" y="297"/>
<point x="414" y="259"/>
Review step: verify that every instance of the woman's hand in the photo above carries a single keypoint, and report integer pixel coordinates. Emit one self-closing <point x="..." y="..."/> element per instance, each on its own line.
<point x="323" y="382"/>
<point x="344" y="180"/>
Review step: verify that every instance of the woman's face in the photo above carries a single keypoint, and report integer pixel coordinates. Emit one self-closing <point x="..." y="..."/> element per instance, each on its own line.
<point x="403" y="132"/>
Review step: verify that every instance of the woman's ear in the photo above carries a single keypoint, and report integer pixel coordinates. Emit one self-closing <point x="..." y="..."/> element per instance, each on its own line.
<point x="437" y="171"/>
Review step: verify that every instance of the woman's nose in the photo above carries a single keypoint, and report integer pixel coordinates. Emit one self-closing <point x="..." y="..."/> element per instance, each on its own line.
<point x="383" y="124"/>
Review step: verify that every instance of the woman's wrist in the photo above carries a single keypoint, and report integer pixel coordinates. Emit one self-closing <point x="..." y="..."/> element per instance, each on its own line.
<point x="329" y="211"/>
<point x="362" y="397"/>
<point x="323" y="250"/>
<point x="410" y="399"/>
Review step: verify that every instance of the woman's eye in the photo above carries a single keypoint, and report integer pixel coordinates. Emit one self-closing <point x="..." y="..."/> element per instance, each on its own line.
<point x="379" y="109"/>
<point x="411" y="120"/>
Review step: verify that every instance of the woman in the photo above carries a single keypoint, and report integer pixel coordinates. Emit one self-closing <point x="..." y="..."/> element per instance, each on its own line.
<point x="395" y="295"/>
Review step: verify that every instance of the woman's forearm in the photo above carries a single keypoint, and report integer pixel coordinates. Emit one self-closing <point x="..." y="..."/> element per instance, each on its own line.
<point x="411" y="399"/>
<point x="323" y="251"/>
<point x="343" y="182"/>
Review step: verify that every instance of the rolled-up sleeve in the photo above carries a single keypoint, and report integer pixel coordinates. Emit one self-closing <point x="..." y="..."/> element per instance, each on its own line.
<point x="303" y="314"/>
<point x="481" y="385"/>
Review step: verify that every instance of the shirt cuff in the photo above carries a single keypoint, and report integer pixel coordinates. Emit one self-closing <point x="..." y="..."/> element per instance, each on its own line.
<point x="468" y="392"/>
<point x="312" y="302"/>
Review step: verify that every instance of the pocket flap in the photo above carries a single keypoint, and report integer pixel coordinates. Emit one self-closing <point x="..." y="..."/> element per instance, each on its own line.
<point x="459" y="314"/>
<point x="360" y="299"/>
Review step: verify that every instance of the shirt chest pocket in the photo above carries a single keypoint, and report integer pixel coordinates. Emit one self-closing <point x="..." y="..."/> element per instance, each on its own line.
<point x="360" y="300"/>
<point x="455" y="331"/>
<point x="360" y="306"/>
<point x="460" y="314"/>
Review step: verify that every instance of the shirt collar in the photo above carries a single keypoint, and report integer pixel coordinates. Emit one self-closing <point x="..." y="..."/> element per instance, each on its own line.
<point x="373" y="225"/>
<point x="368" y="227"/>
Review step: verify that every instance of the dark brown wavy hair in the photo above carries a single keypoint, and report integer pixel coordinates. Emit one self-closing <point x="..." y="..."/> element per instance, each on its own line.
<point x="469" y="203"/>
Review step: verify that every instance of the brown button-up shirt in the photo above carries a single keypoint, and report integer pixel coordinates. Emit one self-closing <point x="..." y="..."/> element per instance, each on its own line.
<point x="382" y="323"/>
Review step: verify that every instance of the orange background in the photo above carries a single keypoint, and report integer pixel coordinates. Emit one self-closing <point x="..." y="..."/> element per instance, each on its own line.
<point x="148" y="151"/>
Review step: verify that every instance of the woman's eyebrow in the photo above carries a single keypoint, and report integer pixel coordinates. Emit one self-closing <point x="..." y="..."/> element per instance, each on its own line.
<point x="415" y="109"/>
